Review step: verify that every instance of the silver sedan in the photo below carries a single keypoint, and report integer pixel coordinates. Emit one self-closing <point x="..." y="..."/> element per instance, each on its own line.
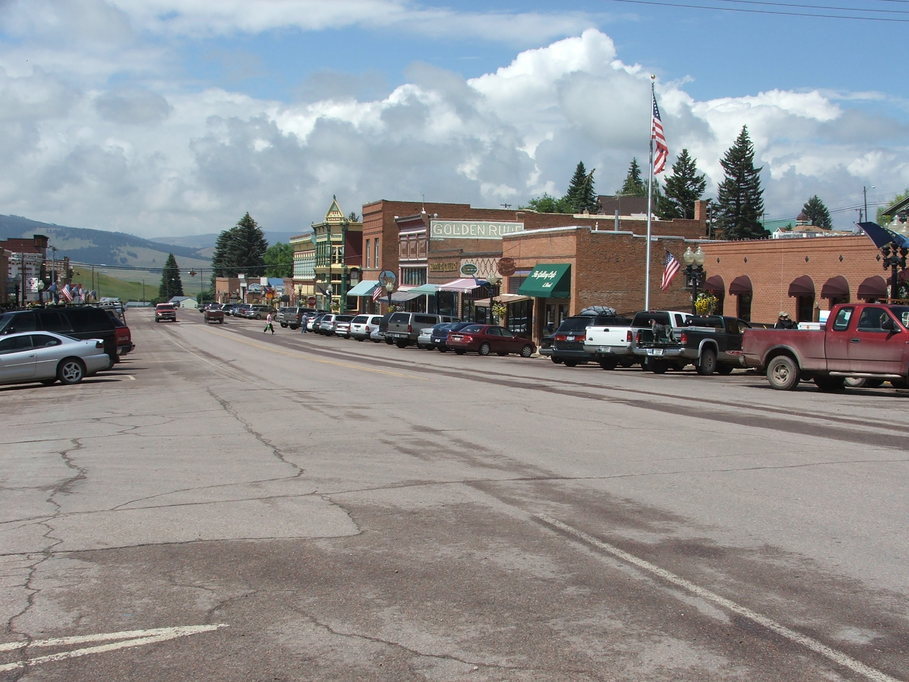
<point x="48" y="357"/>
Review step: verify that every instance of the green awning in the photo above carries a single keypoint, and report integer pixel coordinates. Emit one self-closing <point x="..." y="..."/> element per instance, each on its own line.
<point x="548" y="280"/>
<point x="364" y="288"/>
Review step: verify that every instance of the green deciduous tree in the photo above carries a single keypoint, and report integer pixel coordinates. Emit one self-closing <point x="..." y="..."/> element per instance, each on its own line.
<point x="634" y="185"/>
<point x="682" y="189"/>
<point x="171" y="284"/>
<point x="547" y="204"/>
<point x="740" y="202"/>
<point x="279" y="260"/>
<point x="817" y="213"/>
<point x="882" y="218"/>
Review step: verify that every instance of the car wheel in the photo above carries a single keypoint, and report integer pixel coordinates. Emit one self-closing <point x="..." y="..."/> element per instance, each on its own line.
<point x="707" y="362"/>
<point x="783" y="373"/>
<point x="608" y="364"/>
<point x="442" y="349"/>
<point x="526" y="350"/>
<point x="483" y="349"/>
<point x="556" y="361"/>
<point x="724" y="369"/>
<point x="830" y="384"/>
<point x="863" y="382"/>
<point x="70" y="371"/>
<point x="401" y="344"/>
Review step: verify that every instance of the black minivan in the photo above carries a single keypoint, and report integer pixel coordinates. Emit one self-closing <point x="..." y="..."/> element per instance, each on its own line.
<point x="80" y="322"/>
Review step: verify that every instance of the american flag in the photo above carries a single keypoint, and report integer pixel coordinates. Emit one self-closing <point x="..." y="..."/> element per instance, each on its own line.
<point x="670" y="270"/>
<point x="661" y="151"/>
<point x="377" y="292"/>
<point x="66" y="293"/>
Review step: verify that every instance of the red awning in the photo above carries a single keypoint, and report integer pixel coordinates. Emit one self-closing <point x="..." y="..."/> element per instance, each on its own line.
<point x="741" y="286"/>
<point x="802" y="286"/>
<point x="835" y="287"/>
<point x="715" y="285"/>
<point x="873" y="287"/>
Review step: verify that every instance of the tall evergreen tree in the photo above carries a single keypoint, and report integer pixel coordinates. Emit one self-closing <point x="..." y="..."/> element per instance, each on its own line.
<point x="634" y="184"/>
<point x="581" y="193"/>
<point x="740" y="203"/>
<point x="240" y="249"/>
<point x="683" y="188"/>
<point x="817" y="213"/>
<point x="171" y="284"/>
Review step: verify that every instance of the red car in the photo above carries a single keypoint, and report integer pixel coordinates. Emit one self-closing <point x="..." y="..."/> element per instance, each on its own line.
<point x="487" y="338"/>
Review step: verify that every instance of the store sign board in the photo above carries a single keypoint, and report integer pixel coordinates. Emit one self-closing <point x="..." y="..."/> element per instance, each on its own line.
<point x="472" y="229"/>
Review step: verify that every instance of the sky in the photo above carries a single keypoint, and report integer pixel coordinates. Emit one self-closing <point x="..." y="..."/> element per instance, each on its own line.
<point x="166" y="118"/>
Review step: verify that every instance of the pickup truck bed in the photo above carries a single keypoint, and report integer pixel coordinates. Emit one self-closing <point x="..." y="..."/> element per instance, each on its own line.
<point x="711" y="343"/>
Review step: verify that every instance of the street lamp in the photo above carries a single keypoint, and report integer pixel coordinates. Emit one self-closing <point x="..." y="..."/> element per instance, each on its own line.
<point x="894" y="258"/>
<point x="694" y="272"/>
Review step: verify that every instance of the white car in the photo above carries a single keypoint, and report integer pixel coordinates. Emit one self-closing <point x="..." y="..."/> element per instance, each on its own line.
<point x="424" y="338"/>
<point x="362" y="326"/>
<point x="48" y="357"/>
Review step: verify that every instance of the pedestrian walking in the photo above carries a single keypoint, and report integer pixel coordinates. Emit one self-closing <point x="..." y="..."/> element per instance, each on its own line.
<point x="269" y="324"/>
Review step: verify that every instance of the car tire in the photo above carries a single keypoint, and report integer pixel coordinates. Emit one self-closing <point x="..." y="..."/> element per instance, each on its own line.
<point x="707" y="362"/>
<point x="555" y="361"/>
<point x="724" y="369"/>
<point x="442" y="349"/>
<point x="484" y="349"/>
<point x="401" y="344"/>
<point x="863" y="382"/>
<point x="526" y="350"/>
<point x="783" y="373"/>
<point x="70" y="371"/>
<point x="659" y="366"/>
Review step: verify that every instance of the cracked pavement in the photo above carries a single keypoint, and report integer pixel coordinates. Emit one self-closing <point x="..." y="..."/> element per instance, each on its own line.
<point x="355" y="511"/>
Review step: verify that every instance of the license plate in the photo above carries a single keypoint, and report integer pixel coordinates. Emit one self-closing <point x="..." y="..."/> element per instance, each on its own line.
<point x="456" y="338"/>
<point x="570" y="338"/>
<point x="654" y="351"/>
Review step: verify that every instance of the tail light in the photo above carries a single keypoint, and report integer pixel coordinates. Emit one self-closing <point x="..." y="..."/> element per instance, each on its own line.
<point x="683" y="338"/>
<point x="559" y="337"/>
<point x="629" y="336"/>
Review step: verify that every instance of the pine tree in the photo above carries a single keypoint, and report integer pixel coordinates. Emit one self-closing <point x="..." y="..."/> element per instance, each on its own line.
<point x="171" y="284"/>
<point x="817" y="213"/>
<point x="739" y="203"/>
<point x="581" y="194"/>
<point x="683" y="188"/>
<point x="634" y="185"/>
<point x="241" y="249"/>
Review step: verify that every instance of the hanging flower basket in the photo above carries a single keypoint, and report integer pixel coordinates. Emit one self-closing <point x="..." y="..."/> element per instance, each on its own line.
<point x="499" y="310"/>
<point x="706" y="303"/>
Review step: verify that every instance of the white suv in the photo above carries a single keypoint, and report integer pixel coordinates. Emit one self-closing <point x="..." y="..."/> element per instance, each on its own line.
<point x="362" y="325"/>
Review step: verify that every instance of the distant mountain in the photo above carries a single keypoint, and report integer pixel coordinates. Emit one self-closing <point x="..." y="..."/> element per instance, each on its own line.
<point x="206" y="242"/>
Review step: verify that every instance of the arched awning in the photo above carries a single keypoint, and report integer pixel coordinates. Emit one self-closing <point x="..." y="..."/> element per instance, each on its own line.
<point x="802" y="286"/>
<point x="872" y="287"/>
<point x="835" y="287"/>
<point x="715" y="285"/>
<point x="741" y="286"/>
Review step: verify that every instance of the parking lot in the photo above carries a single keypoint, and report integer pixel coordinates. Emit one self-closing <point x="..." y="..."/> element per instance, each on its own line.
<point x="232" y="505"/>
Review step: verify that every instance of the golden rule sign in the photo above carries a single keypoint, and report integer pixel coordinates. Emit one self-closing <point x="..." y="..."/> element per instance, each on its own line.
<point x="472" y="229"/>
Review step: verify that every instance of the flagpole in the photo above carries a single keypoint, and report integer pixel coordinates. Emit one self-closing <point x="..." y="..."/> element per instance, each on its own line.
<point x="649" y="206"/>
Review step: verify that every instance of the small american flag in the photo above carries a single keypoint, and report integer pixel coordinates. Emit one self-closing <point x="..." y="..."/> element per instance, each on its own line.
<point x="66" y="293"/>
<point x="670" y="270"/>
<point x="661" y="151"/>
<point x="377" y="292"/>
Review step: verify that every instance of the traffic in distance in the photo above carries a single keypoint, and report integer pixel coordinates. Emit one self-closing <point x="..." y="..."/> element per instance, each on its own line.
<point x="860" y="344"/>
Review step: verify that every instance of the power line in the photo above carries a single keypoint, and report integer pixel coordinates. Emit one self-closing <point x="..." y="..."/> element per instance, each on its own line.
<point x="667" y="3"/>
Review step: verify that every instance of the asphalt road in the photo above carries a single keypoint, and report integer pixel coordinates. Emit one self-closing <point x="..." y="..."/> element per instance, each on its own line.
<point x="230" y="505"/>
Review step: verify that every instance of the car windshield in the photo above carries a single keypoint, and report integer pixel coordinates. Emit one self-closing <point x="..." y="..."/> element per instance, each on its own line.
<point x="472" y="329"/>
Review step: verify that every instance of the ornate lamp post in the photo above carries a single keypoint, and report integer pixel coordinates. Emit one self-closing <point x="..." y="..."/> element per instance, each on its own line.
<point x="894" y="258"/>
<point x="694" y="273"/>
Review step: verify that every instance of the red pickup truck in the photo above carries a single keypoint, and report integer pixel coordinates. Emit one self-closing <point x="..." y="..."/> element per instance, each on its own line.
<point x="859" y="341"/>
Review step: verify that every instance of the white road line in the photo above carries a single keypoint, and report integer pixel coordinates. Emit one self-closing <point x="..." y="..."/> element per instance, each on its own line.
<point x="814" y="645"/>
<point x="128" y="639"/>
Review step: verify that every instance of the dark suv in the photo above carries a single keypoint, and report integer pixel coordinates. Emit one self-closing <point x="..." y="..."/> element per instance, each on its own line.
<point x="80" y="322"/>
<point x="568" y="340"/>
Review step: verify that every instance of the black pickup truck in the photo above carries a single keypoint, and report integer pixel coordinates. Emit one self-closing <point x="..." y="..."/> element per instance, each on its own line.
<point x="712" y="343"/>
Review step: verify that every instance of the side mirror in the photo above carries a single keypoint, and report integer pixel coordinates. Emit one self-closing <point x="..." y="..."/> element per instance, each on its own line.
<point x="889" y="325"/>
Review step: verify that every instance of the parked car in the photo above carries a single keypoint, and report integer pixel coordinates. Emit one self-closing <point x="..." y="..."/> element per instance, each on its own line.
<point x="290" y="316"/>
<point x="48" y="357"/>
<point x="341" y="326"/>
<point x="568" y="340"/>
<point x="165" y="312"/>
<point x="241" y="310"/>
<point x="79" y="322"/>
<point x="404" y="327"/>
<point x="121" y="332"/>
<point x="361" y="327"/>
<point x="424" y="338"/>
<point x="230" y="308"/>
<point x="439" y="337"/>
<point x="377" y="335"/>
<point x="301" y="315"/>
<point x="314" y="321"/>
<point x="326" y="324"/>
<point x="486" y="338"/>
<point x="256" y="312"/>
